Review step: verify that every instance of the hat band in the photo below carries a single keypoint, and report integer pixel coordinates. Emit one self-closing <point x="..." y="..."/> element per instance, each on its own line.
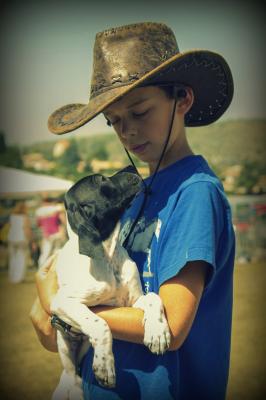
<point x="116" y="81"/>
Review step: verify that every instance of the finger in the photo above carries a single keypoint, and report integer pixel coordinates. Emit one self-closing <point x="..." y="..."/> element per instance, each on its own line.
<point x="39" y="317"/>
<point x="41" y="322"/>
<point x="34" y="308"/>
<point x="45" y="268"/>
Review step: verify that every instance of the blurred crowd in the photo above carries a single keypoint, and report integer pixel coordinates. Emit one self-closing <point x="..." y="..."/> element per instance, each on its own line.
<point x="30" y="233"/>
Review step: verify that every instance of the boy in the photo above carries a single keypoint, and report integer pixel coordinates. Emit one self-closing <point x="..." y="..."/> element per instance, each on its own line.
<point x="178" y="230"/>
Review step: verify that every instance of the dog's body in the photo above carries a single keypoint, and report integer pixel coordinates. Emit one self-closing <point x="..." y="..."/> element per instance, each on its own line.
<point x="109" y="277"/>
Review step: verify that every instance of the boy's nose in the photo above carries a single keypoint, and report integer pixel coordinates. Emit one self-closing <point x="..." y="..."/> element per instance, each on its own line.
<point x="127" y="129"/>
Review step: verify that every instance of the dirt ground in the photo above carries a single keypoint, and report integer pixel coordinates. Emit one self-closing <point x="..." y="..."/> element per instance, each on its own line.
<point x="30" y="372"/>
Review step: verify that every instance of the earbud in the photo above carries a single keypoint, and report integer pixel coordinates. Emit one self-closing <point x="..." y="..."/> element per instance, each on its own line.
<point x="179" y="93"/>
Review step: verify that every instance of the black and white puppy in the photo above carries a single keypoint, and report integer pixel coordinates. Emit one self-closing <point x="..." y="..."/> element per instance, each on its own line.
<point x="93" y="269"/>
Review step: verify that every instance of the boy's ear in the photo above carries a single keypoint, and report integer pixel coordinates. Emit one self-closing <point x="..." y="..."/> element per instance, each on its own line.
<point x="185" y="103"/>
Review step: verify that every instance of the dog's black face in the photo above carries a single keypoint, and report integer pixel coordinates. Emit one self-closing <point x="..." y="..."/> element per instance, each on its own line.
<point x="95" y="204"/>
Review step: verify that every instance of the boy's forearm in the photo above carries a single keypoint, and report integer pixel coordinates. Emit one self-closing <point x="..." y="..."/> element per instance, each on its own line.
<point x="124" y="322"/>
<point x="47" y="341"/>
<point x="42" y="325"/>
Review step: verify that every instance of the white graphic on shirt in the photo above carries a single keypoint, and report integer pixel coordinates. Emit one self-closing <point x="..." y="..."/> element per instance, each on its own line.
<point x="158" y="229"/>
<point x="148" y="273"/>
<point x="141" y="238"/>
<point x="147" y="287"/>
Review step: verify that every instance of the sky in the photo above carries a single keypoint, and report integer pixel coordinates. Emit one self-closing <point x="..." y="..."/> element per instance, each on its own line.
<point x="46" y="50"/>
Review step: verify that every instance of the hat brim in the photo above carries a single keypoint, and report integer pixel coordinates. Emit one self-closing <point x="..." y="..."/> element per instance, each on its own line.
<point x="206" y="72"/>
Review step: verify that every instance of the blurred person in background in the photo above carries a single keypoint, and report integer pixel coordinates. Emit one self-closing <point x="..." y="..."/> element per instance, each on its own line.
<point x="35" y="252"/>
<point x="51" y="221"/>
<point x="4" y="229"/>
<point x="19" y="236"/>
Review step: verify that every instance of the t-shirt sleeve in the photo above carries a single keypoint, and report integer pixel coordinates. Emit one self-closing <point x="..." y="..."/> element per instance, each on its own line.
<point x="193" y="230"/>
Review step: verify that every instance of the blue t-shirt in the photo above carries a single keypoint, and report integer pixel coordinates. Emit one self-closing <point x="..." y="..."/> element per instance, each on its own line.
<point x="186" y="218"/>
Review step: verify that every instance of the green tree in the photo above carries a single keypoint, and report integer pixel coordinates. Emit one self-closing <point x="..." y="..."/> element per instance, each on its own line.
<point x="71" y="156"/>
<point x="101" y="153"/>
<point x="2" y="143"/>
<point x="250" y="174"/>
<point x="66" y="165"/>
<point x="10" y="156"/>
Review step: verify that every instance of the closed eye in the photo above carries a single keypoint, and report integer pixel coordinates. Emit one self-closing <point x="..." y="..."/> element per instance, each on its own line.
<point x="135" y="115"/>
<point x="139" y="115"/>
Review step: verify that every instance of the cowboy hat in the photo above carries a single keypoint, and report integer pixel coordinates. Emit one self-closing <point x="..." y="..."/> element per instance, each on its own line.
<point x="143" y="54"/>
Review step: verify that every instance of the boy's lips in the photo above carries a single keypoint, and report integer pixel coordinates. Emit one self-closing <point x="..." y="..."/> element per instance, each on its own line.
<point x="139" y="148"/>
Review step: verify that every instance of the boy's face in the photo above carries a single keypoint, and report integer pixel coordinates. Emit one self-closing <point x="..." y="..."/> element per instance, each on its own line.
<point x="142" y="119"/>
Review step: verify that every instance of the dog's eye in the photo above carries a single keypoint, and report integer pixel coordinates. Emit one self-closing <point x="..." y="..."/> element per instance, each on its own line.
<point x="87" y="208"/>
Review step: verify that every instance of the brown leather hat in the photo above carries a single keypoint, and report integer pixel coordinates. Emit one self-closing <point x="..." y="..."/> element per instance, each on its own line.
<point x="143" y="54"/>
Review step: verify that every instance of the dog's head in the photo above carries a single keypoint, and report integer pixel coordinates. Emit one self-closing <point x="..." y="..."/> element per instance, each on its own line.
<point x="95" y="204"/>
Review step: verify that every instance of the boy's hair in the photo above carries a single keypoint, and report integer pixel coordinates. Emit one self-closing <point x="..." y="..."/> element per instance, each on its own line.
<point x="172" y="91"/>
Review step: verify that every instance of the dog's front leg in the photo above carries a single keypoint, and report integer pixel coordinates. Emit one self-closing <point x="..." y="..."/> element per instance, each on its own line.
<point x="156" y="330"/>
<point x="70" y="384"/>
<point x="96" y="329"/>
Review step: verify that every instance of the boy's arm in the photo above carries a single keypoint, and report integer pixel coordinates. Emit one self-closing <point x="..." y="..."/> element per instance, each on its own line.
<point x="180" y="296"/>
<point x="46" y="282"/>
<point x="42" y="324"/>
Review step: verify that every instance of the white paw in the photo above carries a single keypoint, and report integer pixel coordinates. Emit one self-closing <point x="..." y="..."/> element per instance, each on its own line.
<point x="104" y="369"/>
<point x="69" y="387"/>
<point x="76" y="393"/>
<point x="156" y="334"/>
<point x="61" y="392"/>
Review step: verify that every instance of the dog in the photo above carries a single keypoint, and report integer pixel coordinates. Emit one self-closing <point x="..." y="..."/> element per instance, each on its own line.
<point x="94" y="269"/>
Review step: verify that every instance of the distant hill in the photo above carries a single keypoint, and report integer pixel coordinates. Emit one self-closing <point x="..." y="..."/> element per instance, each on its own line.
<point x="236" y="150"/>
<point x="230" y="142"/>
<point x="224" y="143"/>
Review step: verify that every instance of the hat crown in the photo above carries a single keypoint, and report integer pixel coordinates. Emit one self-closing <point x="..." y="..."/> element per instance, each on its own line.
<point x="143" y="54"/>
<point x="125" y="54"/>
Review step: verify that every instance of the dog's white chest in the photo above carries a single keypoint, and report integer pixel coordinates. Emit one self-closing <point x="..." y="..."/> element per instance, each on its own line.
<point x="79" y="278"/>
<point x="97" y="282"/>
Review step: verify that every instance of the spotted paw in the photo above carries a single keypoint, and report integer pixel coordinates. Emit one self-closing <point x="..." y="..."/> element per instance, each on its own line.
<point x="156" y="330"/>
<point x="156" y="334"/>
<point x="104" y="370"/>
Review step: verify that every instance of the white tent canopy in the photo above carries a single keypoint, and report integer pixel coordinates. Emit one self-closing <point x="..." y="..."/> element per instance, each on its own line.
<point x="15" y="182"/>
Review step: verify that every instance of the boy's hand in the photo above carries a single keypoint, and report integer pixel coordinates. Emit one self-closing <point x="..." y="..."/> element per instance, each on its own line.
<point x="46" y="282"/>
<point x="42" y="325"/>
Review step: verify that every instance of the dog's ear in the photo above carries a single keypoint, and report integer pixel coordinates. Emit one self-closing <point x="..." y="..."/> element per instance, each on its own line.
<point x="90" y="242"/>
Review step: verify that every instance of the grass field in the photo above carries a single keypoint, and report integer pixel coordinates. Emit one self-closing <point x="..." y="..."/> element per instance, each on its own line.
<point x="29" y="372"/>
